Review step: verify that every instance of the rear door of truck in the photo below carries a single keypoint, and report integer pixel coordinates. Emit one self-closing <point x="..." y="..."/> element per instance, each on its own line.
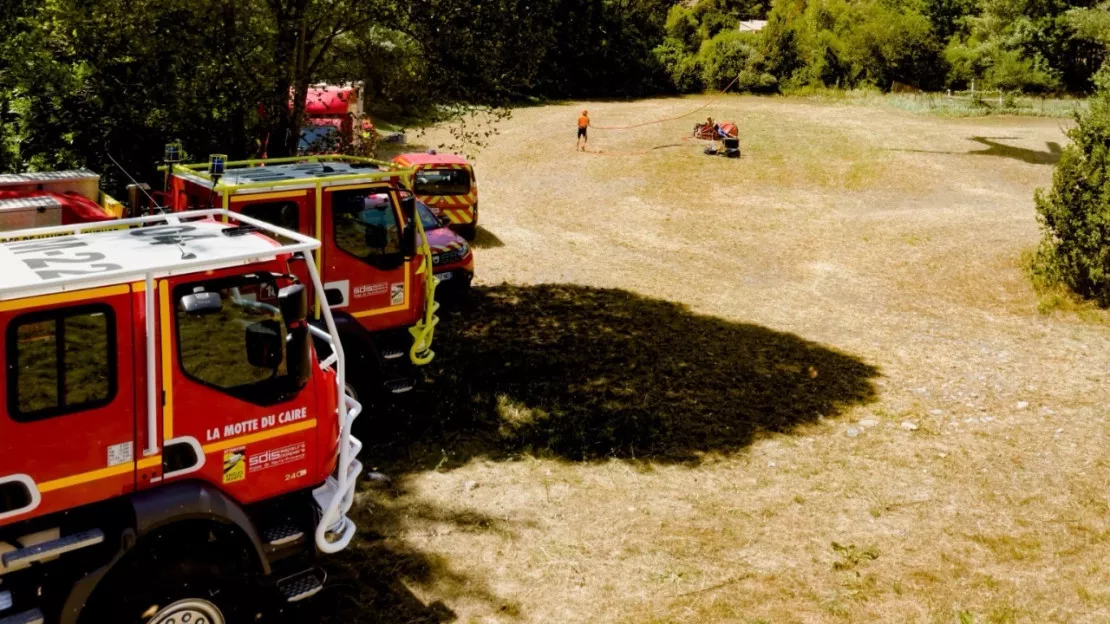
<point x="68" y="428"/>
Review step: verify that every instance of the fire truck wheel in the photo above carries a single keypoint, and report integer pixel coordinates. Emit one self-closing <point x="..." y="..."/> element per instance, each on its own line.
<point x="191" y="610"/>
<point x="195" y="585"/>
<point x="363" y="371"/>
<point x="469" y="231"/>
<point x="350" y="390"/>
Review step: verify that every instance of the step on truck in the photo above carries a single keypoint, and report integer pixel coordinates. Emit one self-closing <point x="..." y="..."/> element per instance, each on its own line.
<point x="446" y="183"/>
<point x="374" y="257"/>
<point x="174" y="448"/>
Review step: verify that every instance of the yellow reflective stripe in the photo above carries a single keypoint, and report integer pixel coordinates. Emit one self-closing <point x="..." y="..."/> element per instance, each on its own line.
<point x="320" y="237"/>
<point x="150" y="462"/>
<point x="167" y="362"/>
<point x="257" y="196"/>
<point x="66" y="297"/>
<point x="261" y="435"/>
<point x="147" y="462"/>
<point x="85" y="477"/>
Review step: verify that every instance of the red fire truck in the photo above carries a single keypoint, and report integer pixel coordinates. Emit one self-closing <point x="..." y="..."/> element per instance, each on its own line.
<point x="374" y="256"/>
<point x="334" y="119"/>
<point x="452" y="258"/>
<point x="446" y="183"/>
<point x="174" y="448"/>
<point x="54" y="198"/>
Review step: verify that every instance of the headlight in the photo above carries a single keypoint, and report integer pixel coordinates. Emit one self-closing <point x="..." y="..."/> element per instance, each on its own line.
<point x="464" y="250"/>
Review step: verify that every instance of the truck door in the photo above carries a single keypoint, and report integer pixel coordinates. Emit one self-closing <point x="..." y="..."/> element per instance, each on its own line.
<point x="68" y="429"/>
<point x="238" y="412"/>
<point x="365" y="269"/>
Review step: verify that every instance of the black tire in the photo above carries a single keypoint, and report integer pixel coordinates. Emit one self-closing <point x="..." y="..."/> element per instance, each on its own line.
<point x="209" y="583"/>
<point x="469" y="231"/>
<point x="363" y="374"/>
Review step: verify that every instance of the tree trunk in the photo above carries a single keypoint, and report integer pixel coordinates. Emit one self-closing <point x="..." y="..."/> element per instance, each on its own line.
<point x="289" y="22"/>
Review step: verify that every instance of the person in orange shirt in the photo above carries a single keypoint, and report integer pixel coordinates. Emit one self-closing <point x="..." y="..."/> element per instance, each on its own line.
<point x="583" y="123"/>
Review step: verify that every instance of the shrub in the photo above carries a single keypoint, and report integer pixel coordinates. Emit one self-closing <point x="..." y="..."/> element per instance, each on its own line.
<point x="723" y="57"/>
<point x="1009" y="71"/>
<point x="682" y="68"/>
<point x="756" y="82"/>
<point x="682" y="27"/>
<point x="1075" y="213"/>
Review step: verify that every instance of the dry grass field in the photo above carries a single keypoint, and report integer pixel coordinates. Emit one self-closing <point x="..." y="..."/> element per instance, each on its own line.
<point x="811" y="385"/>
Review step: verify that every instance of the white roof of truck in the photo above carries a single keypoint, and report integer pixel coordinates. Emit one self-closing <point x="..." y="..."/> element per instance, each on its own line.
<point x="58" y="259"/>
<point x="28" y="203"/>
<point x="39" y="177"/>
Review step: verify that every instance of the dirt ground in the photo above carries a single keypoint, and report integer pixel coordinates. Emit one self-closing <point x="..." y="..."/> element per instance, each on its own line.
<point x="811" y="385"/>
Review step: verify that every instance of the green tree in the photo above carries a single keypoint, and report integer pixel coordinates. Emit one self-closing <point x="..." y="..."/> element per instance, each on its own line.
<point x="1075" y="212"/>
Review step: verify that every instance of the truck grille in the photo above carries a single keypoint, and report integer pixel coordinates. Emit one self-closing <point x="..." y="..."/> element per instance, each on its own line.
<point x="446" y="257"/>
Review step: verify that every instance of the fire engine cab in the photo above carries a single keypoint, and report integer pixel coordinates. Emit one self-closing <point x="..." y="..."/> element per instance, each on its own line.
<point x="174" y="449"/>
<point x="374" y="256"/>
<point x="446" y="183"/>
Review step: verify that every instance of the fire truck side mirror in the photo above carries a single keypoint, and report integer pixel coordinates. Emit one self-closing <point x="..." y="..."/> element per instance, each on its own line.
<point x="264" y="348"/>
<point x="293" y="301"/>
<point x="298" y="353"/>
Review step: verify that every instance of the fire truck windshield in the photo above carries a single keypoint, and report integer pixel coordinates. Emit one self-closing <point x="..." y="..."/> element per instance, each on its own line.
<point x="232" y="337"/>
<point x="365" y="223"/>
<point x="321" y="139"/>
<point x="442" y="182"/>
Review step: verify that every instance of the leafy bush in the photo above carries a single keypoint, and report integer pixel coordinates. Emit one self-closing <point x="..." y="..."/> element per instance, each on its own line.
<point x="1075" y="213"/>
<point x="1009" y="71"/>
<point x="729" y="58"/>
<point x="723" y="57"/>
<point x="682" y="27"/>
<point x="681" y="67"/>
<point x="756" y="82"/>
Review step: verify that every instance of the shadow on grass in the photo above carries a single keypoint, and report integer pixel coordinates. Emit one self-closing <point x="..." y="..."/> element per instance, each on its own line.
<point x="1000" y="150"/>
<point x="486" y="239"/>
<point x="369" y="582"/>
<point x="1033" y="157"/>
<point x="573" y="373"/>
<point x="588" y="374"/>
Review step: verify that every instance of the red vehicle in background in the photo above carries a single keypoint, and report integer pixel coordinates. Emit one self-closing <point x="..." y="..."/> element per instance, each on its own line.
<point x="334" y="121"/>
<point x="452" y="257"/>
<point x="54" y="198"/>
<point x="446" y="182"/>
<point x="374" y="259"/>
<point x="174" y="448"/>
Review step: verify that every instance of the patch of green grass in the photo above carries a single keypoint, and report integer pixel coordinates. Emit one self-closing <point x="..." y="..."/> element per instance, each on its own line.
<point x="943" y="105"/>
